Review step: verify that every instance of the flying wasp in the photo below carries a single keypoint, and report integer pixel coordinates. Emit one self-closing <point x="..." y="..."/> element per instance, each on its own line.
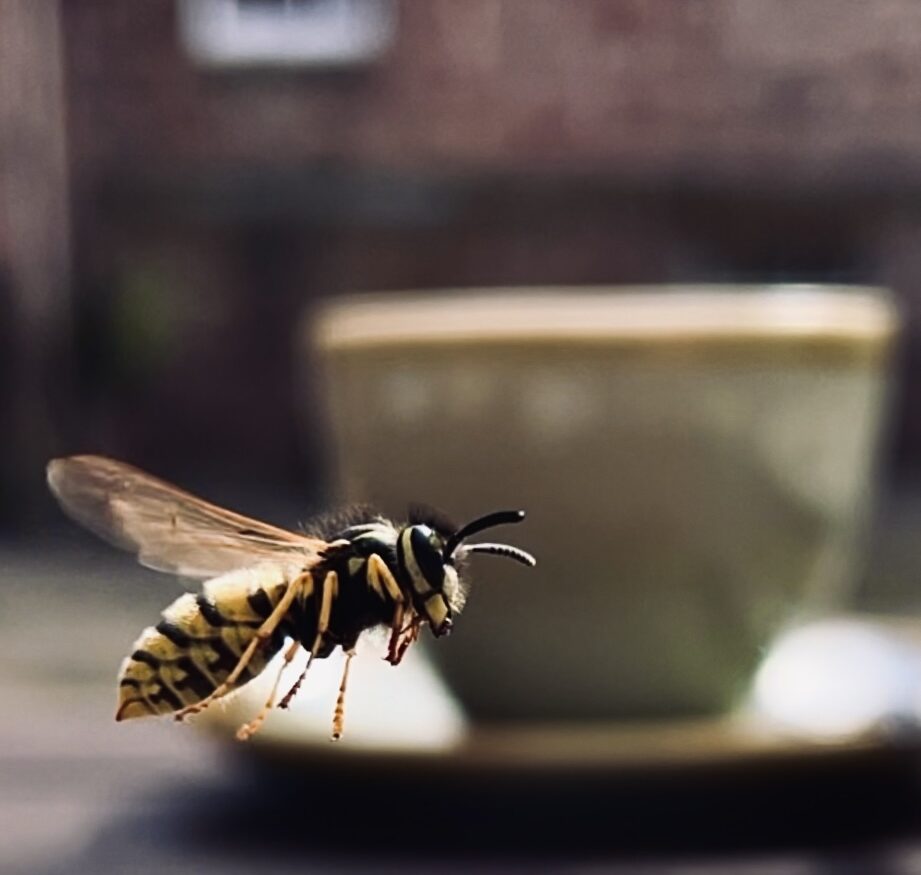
<point x="265" y="586"/>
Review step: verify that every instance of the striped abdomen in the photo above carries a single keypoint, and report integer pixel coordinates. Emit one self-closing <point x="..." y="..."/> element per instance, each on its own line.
<point x="198" y="643"/>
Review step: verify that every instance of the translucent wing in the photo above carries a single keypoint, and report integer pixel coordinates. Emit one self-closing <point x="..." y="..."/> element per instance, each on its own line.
<point x="169" y="530"/>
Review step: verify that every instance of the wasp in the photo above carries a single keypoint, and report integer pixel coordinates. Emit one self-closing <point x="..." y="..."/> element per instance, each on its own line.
<point x="266" y="589"/>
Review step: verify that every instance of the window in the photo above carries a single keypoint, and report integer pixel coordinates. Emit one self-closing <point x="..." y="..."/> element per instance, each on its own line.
<point x="322" y="33"/>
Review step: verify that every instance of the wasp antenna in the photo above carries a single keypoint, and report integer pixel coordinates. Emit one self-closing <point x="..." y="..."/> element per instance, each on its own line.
<point x="497" y="518"/>
<point x="507" y="550"/>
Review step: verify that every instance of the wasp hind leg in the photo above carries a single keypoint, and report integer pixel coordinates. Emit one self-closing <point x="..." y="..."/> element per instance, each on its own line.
<point x="330" y="589"/>
<point x="248" y="730"/>
<point x="339" y="714"/>
<point x="263" y="634"/>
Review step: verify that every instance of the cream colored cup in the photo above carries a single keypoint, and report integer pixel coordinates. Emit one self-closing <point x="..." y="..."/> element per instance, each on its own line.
<point x="695" y="463"/>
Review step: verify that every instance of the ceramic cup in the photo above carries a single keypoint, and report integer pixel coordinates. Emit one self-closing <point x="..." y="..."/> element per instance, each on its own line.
<point x="695" y="463"/>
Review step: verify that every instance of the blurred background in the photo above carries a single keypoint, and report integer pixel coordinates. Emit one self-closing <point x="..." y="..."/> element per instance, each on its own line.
<point x="182" y="180"/>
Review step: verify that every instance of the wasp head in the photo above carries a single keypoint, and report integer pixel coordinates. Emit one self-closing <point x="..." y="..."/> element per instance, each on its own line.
<point x="429" y="554"/>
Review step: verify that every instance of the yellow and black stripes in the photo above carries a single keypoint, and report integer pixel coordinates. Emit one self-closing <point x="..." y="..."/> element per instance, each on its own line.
<point x="373" y="574"/>
<point x="198" y="643"/>
<point x="357" y="572"/>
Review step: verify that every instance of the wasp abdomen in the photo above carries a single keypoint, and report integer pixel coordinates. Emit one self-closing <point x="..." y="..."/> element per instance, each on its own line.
<point x="198" y="643"/>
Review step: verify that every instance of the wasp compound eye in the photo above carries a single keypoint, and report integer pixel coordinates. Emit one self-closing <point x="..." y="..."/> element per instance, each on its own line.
<point x="427" y="557"/>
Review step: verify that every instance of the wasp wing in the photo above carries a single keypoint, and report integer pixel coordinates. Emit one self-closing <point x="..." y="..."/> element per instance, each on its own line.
<point x="169" y="529"/>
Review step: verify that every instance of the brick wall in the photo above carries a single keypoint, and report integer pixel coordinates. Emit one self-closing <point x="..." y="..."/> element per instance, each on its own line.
<point x="827" y="92"/>
<point x="499" y="141"/>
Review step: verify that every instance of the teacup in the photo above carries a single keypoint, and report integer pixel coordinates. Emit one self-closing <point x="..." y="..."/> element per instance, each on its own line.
<point x="696" y="464"/>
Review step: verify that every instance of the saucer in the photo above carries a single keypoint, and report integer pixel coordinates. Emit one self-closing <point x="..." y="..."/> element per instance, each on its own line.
<point x="601" y="751"/>
<point x="439" y="785"/>
<point x="405" y="720"/>
<point x="412" y="776"/>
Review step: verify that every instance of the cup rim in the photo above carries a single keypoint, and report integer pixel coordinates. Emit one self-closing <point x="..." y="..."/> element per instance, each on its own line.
<point x="690" y="312"/>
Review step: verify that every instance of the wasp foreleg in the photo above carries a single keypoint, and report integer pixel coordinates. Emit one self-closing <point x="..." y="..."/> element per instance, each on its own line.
<point x="262" y="634"/>
<point x="380" y="575"/>
<point x="247" y="730"/>
<point x="396" y="632"/>
<point x="330" y="589"/>
<point x="408" y="636"/>
<point x="381" y="578"/>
